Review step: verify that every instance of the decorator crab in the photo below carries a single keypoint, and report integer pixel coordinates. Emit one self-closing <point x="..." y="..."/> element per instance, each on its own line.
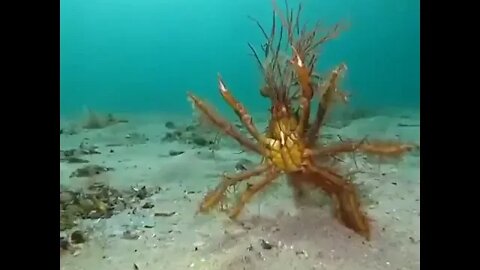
<point x="291" y="144"/>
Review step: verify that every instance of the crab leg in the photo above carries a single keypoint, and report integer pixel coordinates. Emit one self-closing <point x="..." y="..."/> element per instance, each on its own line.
<point x="215" y="196"/>
<point x="378" y="148"/>
<point x="252" y="190"/>
<point x="345" y="198"/>
<point x="303" y="74"/>
<point x="324" y="106"/>
<point x="240" y="111"/>
<point x="224" y="125"/>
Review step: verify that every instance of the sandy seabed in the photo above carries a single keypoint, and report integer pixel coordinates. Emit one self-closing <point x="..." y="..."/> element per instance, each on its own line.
<point x="272" y="232"/>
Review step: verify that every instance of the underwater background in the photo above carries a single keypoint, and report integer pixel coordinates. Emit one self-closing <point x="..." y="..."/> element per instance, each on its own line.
<point x="143" y="55"/>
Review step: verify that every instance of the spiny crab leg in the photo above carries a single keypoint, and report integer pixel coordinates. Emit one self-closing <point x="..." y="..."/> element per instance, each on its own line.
<point x="213" y="197"/>
<point x="247" y="195"/>
<point x="303" y="74"/>
<point x="378" y="148"/>
<point x="337" y="148"/>
<point x="345" y="198"/>
<point x="326" y="100"/>
<point x="224" y="125"/>
<point x="240" y="111"/>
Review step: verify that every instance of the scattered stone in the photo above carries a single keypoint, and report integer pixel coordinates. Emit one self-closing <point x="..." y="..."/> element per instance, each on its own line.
<point x="141" y="193"/>
<point x="170" y="125"/>
<point x="148" y="205"/>
<point x="302" y="253"/>
<point x="96" y="121"/>
<point x="129" y="235"/>
<point x="136" y="138"/>
<point x="169" y="137"/>
<point x="77" y="237"/>
<point x="408" y="124"/>
<point x="165" y="214"/>
<point x="75" y="160"/>
<point x="413" y="240"/>
<point x="265" y="244"/>
<point x="64" y="243"/>
<point x="243" y="164"/>
<point x="67" y="197"/>
<point x="175" y="153"/>
<point x="90" y="170"/>
<point x="199" y="141"/>
<point x="88" y="149"/>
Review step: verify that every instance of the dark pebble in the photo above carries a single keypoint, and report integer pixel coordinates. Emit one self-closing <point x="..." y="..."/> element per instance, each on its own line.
<point x="200" y="141"/>
<point x="170" y="125"/>
<point x="169" y="214"/>
<point x="175" y="153"/>
<point x="77" y="237"/>
<point x="142" y="193"/>
<point x="64" y="244"/>
<point x="265" y="244"/>
<point x="111" y="151"/>
<point x="148" y="205"/>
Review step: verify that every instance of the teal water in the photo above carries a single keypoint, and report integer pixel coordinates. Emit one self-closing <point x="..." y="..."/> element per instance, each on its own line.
<point x="143" y="55"/>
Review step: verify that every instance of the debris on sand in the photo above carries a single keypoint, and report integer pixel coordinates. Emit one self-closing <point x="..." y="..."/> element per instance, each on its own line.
<point x="98" y="201"/>
<point x="75" y="155"/>
<point x="90" y="171"/>
<point x="97" y="121"/>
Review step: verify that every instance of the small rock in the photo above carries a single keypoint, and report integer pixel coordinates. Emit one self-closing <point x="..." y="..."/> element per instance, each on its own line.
<point x="170" y="125"/>
<point x="90" y="170"/>
<point x="265" y="244"/>
<point x="302" y="253"/>
<point x="169" y="137"/>
<point x="77" y="237"/>
<point x="243" y="164"/>
<point x="199" y="141"/>
<point x="148" y="205"/>
<point x="167" y="214"/>
<point x="64" y="244"/>
<point x="66" y="197"/>
<point x="175" y="153"/>
<point x="129" y="235"/>
<point x="142" y="193"/>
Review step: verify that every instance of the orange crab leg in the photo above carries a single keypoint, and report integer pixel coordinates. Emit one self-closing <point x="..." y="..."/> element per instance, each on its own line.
<point x="303" y="74"/>
<point x="224" y="125"/>
<point x="327" y="98"/>
<point x="252" y="190"/>
<point x="213" y="197"/>
<point x="378" y="148"/>
<point x="345" y="198"/>
<point x="240" y="111"/>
